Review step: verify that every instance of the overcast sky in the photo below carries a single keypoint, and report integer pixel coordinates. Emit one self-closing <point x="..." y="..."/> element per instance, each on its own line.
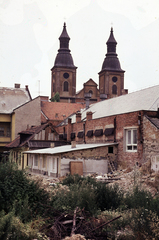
<point x="29" y="32"/>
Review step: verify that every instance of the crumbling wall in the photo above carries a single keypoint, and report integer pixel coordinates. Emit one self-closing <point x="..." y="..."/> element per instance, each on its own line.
<point x="150" y="140"/>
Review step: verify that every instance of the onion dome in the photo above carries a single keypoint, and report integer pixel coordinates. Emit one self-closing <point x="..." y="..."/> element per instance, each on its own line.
<point x="111" y="61"/>
<point x="64" y="58"/>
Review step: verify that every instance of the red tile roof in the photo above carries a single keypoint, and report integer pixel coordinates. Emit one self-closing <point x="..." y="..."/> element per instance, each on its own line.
<point x="59" y="110"/>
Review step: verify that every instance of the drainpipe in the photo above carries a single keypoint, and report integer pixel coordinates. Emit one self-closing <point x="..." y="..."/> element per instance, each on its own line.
<point x="115" y="129"/>
<point x="84" y="132"/>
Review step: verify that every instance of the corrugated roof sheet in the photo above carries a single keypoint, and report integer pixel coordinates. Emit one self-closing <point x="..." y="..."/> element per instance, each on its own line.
<point x="68" y="148"/>
<point x="11" y="98"/>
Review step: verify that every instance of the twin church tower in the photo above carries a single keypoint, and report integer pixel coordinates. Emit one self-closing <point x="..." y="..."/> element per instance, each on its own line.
<point x="63" y="75"/>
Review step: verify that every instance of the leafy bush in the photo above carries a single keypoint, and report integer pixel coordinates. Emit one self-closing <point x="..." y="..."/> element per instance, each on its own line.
<point x="139" y="198"/>
<point x="18" y="191"/>
<point x="79" y="195"/>
<point x="108" y="197"/>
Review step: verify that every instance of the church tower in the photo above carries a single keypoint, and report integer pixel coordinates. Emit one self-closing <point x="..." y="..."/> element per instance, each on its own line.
<point x="63" y="73"/>
<point x="111" y="77"/>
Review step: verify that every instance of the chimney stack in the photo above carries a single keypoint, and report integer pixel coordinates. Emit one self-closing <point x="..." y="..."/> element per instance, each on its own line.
<point x="89" y="115"/>
<point x="78" y="117"/>
<point x="17" y="85"/>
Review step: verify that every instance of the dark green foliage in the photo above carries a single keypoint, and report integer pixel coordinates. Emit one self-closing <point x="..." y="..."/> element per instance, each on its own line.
<point x="80" y="195"/>
<point x="108" y="197"/>
<point x="139" y="198"/>
<point x="56" y="97"/>
<point x="77" y="179"/>
<point x="17" y="190"/>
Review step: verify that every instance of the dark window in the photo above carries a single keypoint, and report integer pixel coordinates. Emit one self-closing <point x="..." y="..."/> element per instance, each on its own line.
<point x="80" y="135"/>
<point x="60" y="136"/>
<point x="73" y="135"/>
<point x="65" y="136"/>
<point x="98" y="132"/>
<point x="110" y="149"/>
<point x="66" y="75"/>
<point x="65" y="87"/>
<point x="114" y="89"/>
<point x="1" y="131"/>
<point x="114" y="79"/>
<point x="90" y="133"/>
<point x="109" y="131"/>
<point x="91" y="92"/>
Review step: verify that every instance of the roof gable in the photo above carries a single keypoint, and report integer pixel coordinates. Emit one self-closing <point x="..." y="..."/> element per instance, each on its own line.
<point x="90" y="82"/>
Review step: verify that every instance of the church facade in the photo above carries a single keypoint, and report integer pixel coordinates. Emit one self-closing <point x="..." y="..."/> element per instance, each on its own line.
<point x="63" y="75"/>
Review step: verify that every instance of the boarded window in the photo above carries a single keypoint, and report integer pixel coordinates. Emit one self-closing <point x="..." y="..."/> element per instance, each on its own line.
<point x="80" y="135"/>
<point x="98" y="132"/>
<point x="90" y="133"/>
<point x="109" y="131"/>
<point x="73" y="135"/>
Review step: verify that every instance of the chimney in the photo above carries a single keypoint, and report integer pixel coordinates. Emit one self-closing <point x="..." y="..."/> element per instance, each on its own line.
<point x="124" y="91"/>
<point x="26" y="87"/>
<point x="52" y="145"/>
<point x="17" y="85"/>
<point x="89" y="115"/>
<point x="73" y="144"/>
<point x="87" y="96"/>
<point x="69" y="126"/>
<point x="78" y="117"/>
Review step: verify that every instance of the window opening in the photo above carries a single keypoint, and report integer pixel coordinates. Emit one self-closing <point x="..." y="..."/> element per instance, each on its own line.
<point x="65" y="86"/>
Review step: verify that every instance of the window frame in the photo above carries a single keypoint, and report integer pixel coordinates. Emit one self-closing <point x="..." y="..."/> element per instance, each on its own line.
<point x="131" y="140"/>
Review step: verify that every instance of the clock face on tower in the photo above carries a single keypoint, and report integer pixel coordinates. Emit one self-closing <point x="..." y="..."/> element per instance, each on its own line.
<point x="66" y="75"/>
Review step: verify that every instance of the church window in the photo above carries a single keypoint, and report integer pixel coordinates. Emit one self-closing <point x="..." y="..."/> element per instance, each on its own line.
<point x="114" y="79"/>
<point x="66" y="75"/>
<point x="65" y="88"/>
<point x="91" y="92"/>
<point x="114" y="89"/>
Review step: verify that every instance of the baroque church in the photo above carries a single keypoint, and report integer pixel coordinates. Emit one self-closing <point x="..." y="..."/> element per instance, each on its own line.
<point x="63" y="75"/>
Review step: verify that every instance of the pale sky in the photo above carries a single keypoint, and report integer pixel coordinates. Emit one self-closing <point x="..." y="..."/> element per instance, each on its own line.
<point x="29" y="31"/>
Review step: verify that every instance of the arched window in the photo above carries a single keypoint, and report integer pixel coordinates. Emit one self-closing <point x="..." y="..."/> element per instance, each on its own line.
<point x="91" y="92"/>
<point x="65" y="86"/>
<point x="114" y="89"/>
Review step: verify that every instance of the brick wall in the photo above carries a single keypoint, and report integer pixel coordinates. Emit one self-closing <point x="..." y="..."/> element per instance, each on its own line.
<point x="151" y="140"/>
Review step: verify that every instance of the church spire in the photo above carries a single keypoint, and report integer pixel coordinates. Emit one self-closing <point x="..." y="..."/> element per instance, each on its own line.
<point x="111" y="61"/>
<point x="64" y="38"/>
<point x="64" y="58"/>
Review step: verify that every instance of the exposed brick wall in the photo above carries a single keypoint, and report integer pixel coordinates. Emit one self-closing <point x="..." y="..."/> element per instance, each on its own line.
<point x="151" y="140"/>
<point x="123" y="121"/>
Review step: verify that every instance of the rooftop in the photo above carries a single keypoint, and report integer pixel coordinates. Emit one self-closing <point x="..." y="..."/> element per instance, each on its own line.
<point x="11" y="98"/>
<point x="68" y="148"/>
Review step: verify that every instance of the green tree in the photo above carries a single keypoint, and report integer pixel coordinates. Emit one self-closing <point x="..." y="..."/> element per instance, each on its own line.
<point x="56" y="97"/>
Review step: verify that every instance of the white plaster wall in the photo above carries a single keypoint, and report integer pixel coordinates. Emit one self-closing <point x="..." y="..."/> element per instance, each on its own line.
<point x="90" y="166"/>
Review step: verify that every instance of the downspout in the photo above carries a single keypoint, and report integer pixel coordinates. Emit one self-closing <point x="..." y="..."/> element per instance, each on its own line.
<point x="115" y="129"/>
<point x="84" y="132"/>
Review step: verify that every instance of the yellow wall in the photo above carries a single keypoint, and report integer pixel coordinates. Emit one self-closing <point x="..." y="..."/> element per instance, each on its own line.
<point x="5" y="118"/>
